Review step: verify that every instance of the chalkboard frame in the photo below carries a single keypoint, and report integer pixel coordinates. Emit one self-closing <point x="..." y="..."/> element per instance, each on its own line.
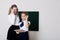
<point x="33" y="16"/>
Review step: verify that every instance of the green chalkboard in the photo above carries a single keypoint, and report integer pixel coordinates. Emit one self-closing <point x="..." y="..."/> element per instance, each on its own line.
<point x="34" y="19"/>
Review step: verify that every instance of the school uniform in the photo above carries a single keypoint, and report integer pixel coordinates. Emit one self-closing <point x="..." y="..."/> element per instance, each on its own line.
<point x="24" y="35"/>
<point x="14" y="20"/>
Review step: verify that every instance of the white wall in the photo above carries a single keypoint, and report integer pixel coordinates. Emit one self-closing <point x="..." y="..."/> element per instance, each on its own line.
<point x="49" y="17"/>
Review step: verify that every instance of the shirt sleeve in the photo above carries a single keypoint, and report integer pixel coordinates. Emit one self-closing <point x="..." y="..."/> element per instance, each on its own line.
<point x="11" y="18"/>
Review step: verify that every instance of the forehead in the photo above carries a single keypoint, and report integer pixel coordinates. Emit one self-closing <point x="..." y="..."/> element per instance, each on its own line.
<point x="23" y="14"/>
<point x="14" y="8"/>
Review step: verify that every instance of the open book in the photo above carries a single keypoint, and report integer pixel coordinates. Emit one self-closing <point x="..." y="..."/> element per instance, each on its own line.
<point x="19" y="31"/>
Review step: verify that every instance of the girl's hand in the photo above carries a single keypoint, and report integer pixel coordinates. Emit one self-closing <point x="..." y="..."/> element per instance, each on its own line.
<point x="26" y="18"/>
<point x="12" y="11"/>
<point x="17" y="31"/>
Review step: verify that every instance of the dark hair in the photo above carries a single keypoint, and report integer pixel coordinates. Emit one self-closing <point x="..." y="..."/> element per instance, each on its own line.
<point x="12" y="8"/>
<point x="26" y="13"/>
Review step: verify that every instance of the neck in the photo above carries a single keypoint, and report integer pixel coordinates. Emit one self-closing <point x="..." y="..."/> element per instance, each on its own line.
<point x="24" y="20"/>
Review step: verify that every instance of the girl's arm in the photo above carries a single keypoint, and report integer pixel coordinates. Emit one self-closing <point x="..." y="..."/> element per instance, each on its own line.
<point x="28" y="24"/>
<point x="11" y="18"/>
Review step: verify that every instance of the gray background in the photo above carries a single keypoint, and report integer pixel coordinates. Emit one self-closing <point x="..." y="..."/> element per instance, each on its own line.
<point x="49" y="16"/>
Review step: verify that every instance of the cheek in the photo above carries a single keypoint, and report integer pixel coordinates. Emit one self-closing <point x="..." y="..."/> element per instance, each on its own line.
<point x="22" y="17"/>
<point x="14" y="10"/>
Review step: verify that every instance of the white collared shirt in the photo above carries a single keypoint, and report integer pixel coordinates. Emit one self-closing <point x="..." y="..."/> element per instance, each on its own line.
<point x="14" y="19"/>
<point x="24" y="27"/>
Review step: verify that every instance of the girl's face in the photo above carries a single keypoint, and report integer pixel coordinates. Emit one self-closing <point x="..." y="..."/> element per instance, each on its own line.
<point x="14" y="10"/>
<point x="23" y="16"/>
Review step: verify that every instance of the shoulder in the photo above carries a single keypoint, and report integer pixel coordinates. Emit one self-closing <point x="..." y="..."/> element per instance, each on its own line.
<point x="9" y="15"/>
<point x="12" y="14"/>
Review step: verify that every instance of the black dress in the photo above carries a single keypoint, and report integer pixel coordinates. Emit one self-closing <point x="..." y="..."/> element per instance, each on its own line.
<point x="11" y="35"/>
